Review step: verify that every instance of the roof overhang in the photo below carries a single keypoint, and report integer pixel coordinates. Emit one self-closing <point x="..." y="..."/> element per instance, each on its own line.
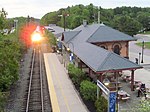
<point x="118" y="70"/>
<point x="112" y="41"/>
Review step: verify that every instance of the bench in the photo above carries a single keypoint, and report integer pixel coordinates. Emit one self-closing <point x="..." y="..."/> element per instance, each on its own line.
<point x="125" y="98"/>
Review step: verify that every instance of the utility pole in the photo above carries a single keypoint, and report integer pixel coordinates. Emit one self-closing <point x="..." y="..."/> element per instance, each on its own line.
<point x="16" y="26"/>
<point x="64" y="18"/>
<point x="28" y="20"/>
<point x="98" y="15"/>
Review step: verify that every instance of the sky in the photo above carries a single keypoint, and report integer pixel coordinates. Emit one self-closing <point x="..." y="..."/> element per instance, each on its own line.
<point x="38" y="8"/>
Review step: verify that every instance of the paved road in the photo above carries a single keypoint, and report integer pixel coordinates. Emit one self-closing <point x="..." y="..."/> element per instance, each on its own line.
<point x="63" y="96"/>
<point x="141" y="74"/>
<point x="136" y="49"/>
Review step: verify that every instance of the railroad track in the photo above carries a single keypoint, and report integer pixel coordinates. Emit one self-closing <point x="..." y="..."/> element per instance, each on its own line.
<point x="34" y="101"/>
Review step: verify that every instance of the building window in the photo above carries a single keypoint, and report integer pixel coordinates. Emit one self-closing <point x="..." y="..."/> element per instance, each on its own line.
<point x="116" y="48"/>
<point x="103" y="46"/>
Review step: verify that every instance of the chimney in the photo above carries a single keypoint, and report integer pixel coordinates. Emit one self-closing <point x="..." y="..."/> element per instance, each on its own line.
<point x="84" y="23"/>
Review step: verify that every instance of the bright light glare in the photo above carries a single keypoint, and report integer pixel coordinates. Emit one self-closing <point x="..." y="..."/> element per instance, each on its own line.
<point x="36" y="37"/>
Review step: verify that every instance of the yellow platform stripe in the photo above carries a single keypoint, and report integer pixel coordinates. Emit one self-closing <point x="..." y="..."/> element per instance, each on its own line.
<point x="53" y="97"/>
<point x="59" y="83"/>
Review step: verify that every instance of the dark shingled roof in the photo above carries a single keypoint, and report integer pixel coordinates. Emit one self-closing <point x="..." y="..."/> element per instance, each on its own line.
<point x="69" y="35"/>
<point x="97" y="58"/>
<point x="108" y="34"/>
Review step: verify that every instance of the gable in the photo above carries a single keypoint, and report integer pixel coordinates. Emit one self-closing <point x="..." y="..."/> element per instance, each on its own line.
<point x="108" y="34"/>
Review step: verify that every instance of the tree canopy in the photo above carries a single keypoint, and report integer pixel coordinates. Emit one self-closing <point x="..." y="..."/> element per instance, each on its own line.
<point x="126" y="19"/>
<point x="3" y="14"/>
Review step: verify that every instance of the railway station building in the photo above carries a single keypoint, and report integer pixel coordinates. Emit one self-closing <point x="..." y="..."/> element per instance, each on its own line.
<point x="98" y="49"/>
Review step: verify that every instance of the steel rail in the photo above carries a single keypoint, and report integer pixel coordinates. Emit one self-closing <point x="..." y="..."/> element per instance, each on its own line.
<point x="29" y="90"/>
<point x="42" y="101"/>
<point x="30" y="82"/>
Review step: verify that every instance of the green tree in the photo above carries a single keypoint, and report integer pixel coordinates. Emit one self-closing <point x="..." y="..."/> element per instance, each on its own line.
<point x="50" y="18"/>
<point x="91" y="12"/>
<point x="50" y="39"/>
<point x="76" y="21"/>
<point x="10" y="53"/>
<point x="2" y="19"/>
<point x="144" y="19"/>
<point x="126" y="24"/>
<point x="2" y="23"/>
<point x="132" y="18"/>
<point x="106" y="16"/>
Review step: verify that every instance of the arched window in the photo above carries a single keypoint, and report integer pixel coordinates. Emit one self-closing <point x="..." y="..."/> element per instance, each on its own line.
<point x="116" y="49"/>
<point x="103" y="47"/>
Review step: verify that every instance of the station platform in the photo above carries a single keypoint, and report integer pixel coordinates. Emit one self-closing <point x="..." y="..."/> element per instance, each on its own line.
<point x="63" y="96"/>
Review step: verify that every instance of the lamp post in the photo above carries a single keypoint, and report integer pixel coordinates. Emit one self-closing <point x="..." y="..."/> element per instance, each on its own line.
<point x="57" y="45"/>
<point x="106" y="81"/>
<point x="72" y="46"/>
<point x="142" y="51"/>
<point x="139" y="57"/>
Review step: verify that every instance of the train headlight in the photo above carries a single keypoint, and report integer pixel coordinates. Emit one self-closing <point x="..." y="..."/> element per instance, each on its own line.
<point x="36" y="37"/>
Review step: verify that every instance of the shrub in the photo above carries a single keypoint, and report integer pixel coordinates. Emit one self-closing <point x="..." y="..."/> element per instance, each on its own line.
<point x="101" y="104"/>
<point x="70" y="68"/>
<point x="3" y="97"/>
<point x="88" y="90"/>
<point x="76" y="74"/>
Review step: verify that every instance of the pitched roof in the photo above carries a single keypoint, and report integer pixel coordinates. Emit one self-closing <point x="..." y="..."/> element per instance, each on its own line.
<point x="98" y="59"/>
<point x="55" y="29"/>
<point x="69" y="35"/>
<point x="108" y="34"/>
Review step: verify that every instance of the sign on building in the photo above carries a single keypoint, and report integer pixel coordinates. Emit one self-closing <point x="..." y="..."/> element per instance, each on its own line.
<point x="71" y="57"/>
<point x="112" y="102"/>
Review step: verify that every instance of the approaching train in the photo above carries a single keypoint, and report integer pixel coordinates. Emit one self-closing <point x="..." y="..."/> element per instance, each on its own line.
<point x="37" y="35"/>
<point x="32" y="34"/>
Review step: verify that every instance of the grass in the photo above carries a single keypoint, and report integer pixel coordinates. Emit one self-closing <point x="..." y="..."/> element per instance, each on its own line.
<point x="146" y="44"/>
<point x="147" y="32"/>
